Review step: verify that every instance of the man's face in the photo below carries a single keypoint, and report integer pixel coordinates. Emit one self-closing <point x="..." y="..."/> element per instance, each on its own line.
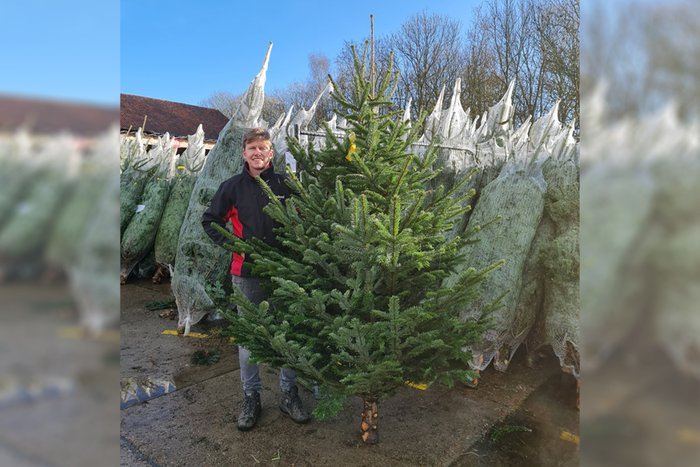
<point x="258" y="154"/>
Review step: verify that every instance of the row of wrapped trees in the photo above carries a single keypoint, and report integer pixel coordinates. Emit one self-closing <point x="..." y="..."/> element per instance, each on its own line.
<point x="155" y="189"/>
<point x="58" y="216"/>
<point x="640" y="235"/>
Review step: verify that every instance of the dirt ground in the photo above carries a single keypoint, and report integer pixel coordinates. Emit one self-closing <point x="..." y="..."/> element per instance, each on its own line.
<point x="524" y="417"/>
<point x="57" y="386"/>
<point x="640" y="410"/>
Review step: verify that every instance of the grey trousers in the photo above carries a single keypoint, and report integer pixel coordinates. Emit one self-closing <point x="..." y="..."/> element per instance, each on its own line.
<point x="250" y="373"/>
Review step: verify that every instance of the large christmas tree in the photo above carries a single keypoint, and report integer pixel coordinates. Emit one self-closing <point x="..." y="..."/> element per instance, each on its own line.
<point x="357" y="299"/>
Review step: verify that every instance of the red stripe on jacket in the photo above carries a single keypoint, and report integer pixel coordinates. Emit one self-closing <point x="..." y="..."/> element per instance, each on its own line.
<point x="237" y="259"/>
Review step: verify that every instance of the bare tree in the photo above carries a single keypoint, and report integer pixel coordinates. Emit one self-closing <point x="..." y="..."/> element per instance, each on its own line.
<point x="556" y="24"/>
<point x="226" y="103"/>
<point x="535" y="43"/>
<point x="223" y="101"/>
<point x="429" y="53"/>
<point x="614" y="52"/>
<point x="646" y="55"/>
<point x="505" y="31"/>
<point x="481" y="85"/>
<point x="301" y="94"/>
<point x="672" y="39"/>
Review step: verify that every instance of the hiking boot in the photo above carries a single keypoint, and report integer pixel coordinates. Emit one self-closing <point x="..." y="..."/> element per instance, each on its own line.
<point x="291" y="405"/>
<point x="250" y="412"/>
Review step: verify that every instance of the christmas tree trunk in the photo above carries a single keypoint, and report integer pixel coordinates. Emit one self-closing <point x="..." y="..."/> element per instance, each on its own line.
<point x="370" y="421"/>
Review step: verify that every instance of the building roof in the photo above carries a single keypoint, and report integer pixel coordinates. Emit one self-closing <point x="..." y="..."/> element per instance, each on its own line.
<point x="173" y="117"/>
<point x="43" y="116"/>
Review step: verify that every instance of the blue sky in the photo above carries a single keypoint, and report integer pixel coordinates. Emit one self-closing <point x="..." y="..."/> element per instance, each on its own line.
<point x="184" y="51"/>
<point x="90" y="51"/>
<point x="66" y="50"/>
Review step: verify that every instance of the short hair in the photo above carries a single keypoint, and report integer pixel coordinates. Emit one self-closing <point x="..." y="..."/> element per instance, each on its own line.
<point x="256" y="134"/>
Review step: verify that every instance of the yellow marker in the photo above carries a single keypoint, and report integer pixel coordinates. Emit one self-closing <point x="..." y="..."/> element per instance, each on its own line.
<point x="688" y="435"/>
<point x="181" y="167"/>
<point x="420" y="386"/>
<point x="71" y="332"/>
<point x="199" y="335"/>
<point x="77" y="332"/>
<point x="353" y="148"/>
<point x="172" y="332"/>
<point x="570" y="437"/>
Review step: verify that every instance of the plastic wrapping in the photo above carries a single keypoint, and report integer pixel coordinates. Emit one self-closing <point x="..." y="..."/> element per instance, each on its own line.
<point x="199" y="260"/>
<point x="138" y="237"/>
<point x="187" y="166"/>
<point x="25" y="233"/>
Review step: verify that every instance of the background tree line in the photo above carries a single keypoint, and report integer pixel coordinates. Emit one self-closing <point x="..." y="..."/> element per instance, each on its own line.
<point x="534" y="42"/>
<point x="645" y="54"/>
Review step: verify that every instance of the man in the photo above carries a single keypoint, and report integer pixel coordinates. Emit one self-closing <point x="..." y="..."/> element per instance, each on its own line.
<point x="240" y="200"/>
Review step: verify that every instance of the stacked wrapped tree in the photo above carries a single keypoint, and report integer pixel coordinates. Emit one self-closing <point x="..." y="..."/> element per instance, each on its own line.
<point x="199" y="262"/>
<point x="552" y="284"/>
<point x="93" y="174"/>
<point x="357" y="298"/>
<point x="527" y="175"/>
<point x="136" y="168"/>
<point x="20" y="167"/>
<point x="24" y="235"/>
<point x="140" y="233"/>
<point x="94" y="271"/>
<point x="639" y="286"/>
<point x="188" y="164"/>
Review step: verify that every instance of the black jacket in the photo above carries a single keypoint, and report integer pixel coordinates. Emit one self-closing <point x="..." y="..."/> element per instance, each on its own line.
<point x="240" y="201"/>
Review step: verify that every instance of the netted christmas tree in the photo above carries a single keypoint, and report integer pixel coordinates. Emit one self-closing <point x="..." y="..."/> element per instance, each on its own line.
<point x="357" y="302"/>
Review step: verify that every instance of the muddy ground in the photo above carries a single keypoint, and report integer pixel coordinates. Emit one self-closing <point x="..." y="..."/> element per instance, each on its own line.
<point x="58" y="386"/>
<point x="516" y="418"/>
<point x="640" y="409"/>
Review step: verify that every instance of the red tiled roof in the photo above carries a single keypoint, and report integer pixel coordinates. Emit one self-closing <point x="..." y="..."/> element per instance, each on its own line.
<point x="50" y="116"/>
<point x="172" y="117"/>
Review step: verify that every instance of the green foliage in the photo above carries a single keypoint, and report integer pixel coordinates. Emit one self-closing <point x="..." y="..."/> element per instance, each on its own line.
<point x="217" y="293"/>
<point x="330" y="404"/>
<point x="500" y="432"/>
<point x="154" y="305"/>
<point x="357" y="296"/>
<point x="174" y="212"/>
<point x="205" y="357"/>
<point x="140" y="233"/>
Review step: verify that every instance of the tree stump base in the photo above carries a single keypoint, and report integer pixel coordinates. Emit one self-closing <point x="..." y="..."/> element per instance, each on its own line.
<point x="370" y="419"/>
